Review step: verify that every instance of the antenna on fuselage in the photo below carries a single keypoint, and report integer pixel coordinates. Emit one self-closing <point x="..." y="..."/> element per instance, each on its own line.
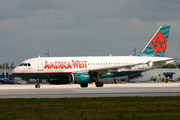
<point x="39" y="56"/>
<point x="47" y="53"/>
<point x="134" y="51"/>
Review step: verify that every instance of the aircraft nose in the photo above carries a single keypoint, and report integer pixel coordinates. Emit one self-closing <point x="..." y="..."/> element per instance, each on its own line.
<point x="15" y="70"/>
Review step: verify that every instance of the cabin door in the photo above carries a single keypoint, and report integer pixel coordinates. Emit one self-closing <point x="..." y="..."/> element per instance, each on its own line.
<point x="40" y="65"/>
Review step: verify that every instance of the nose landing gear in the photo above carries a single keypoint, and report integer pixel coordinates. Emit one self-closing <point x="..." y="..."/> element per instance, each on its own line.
<point x="37" y="84"/>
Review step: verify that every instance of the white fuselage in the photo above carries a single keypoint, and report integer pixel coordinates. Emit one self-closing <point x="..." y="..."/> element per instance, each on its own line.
<point x="75" y="64"/>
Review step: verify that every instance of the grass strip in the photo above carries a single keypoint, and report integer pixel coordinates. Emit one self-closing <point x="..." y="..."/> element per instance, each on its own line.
<point x="103" y="108"/>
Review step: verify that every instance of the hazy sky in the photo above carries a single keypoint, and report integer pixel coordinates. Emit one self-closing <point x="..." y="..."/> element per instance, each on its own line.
<point x="28" y="28"/>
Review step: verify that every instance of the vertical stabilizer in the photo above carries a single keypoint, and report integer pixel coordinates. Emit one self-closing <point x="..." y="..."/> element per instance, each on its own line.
<point x="157" y="45"/>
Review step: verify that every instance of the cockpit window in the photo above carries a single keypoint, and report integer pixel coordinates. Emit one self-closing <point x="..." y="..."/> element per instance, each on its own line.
<point x="25" y="64"/>
<point x="22" y="64"/>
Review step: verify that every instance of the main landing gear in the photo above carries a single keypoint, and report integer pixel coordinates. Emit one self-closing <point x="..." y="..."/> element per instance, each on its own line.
<point x="37" y="84"/>
<point x="85" y="85"/>
<point x="99" y="84"/>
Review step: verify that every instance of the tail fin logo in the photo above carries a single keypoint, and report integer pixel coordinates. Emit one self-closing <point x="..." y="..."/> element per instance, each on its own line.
<point x="158" y="43"/>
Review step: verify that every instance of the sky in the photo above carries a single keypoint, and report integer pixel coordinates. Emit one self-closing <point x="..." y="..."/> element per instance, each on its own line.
<point x="28" y="28"/>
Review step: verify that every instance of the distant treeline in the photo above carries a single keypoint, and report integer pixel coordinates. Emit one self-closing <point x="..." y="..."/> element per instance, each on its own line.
<point x="7" y="66"/>
<point x="175" y="65"/>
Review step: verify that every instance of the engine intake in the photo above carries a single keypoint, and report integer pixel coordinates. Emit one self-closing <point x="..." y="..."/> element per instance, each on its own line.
<point x="81" y="78"/>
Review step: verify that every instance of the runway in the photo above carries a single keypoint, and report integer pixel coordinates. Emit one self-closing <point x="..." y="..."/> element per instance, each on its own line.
<point x="75" y="91"/>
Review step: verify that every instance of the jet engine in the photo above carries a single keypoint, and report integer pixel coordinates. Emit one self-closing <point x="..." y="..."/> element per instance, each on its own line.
<point x="82" y="78"/>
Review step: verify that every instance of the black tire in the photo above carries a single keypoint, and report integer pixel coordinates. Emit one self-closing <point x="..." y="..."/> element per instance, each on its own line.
<point x="99" y="84"/>
<point x="85" y="85"/>
<point x="37" y="86"/>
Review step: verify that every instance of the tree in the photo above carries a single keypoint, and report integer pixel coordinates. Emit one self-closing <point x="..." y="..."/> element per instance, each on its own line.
<point x="175" y="65"/>
<point x="12" y="65"/>
<point x="7" y="65"/>
<point x="3" y="66"/>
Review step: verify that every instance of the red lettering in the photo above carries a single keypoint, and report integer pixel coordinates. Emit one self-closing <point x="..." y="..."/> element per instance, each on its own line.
<point x="51" y="65"/>
<point x="65" y="64"/>
<point x="55" y="65"/>
<point x="80" y="64"/>
<point x="69" y="65"/>
<point x="60" y="65"/>
<point x="75" y="63"/>
<point x="46" y="65"/>
<point x="85" y="62"/>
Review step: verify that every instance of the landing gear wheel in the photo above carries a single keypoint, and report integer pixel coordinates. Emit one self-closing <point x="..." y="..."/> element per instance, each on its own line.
<point x="99" y="84"/>
<point x="37" y="86"/>
<point x="84" y="85"/>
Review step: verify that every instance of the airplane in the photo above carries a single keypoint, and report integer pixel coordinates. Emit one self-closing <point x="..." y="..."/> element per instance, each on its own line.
<point x="85" y="70"/>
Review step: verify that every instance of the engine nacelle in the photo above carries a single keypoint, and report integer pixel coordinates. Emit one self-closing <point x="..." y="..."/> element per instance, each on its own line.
<point x="81" y="78"/>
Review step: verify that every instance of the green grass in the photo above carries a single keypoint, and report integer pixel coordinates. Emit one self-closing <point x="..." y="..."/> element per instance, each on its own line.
<point x="124" y="108"/>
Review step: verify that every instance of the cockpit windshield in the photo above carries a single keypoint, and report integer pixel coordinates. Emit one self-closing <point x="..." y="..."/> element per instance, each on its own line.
<point x="25" y="64"/>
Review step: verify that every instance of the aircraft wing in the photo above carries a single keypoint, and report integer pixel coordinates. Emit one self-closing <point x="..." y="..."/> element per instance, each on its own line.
<point x="172" y="59"/>
<point x="116" y="67"/>
<point x="105" y="70"/>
